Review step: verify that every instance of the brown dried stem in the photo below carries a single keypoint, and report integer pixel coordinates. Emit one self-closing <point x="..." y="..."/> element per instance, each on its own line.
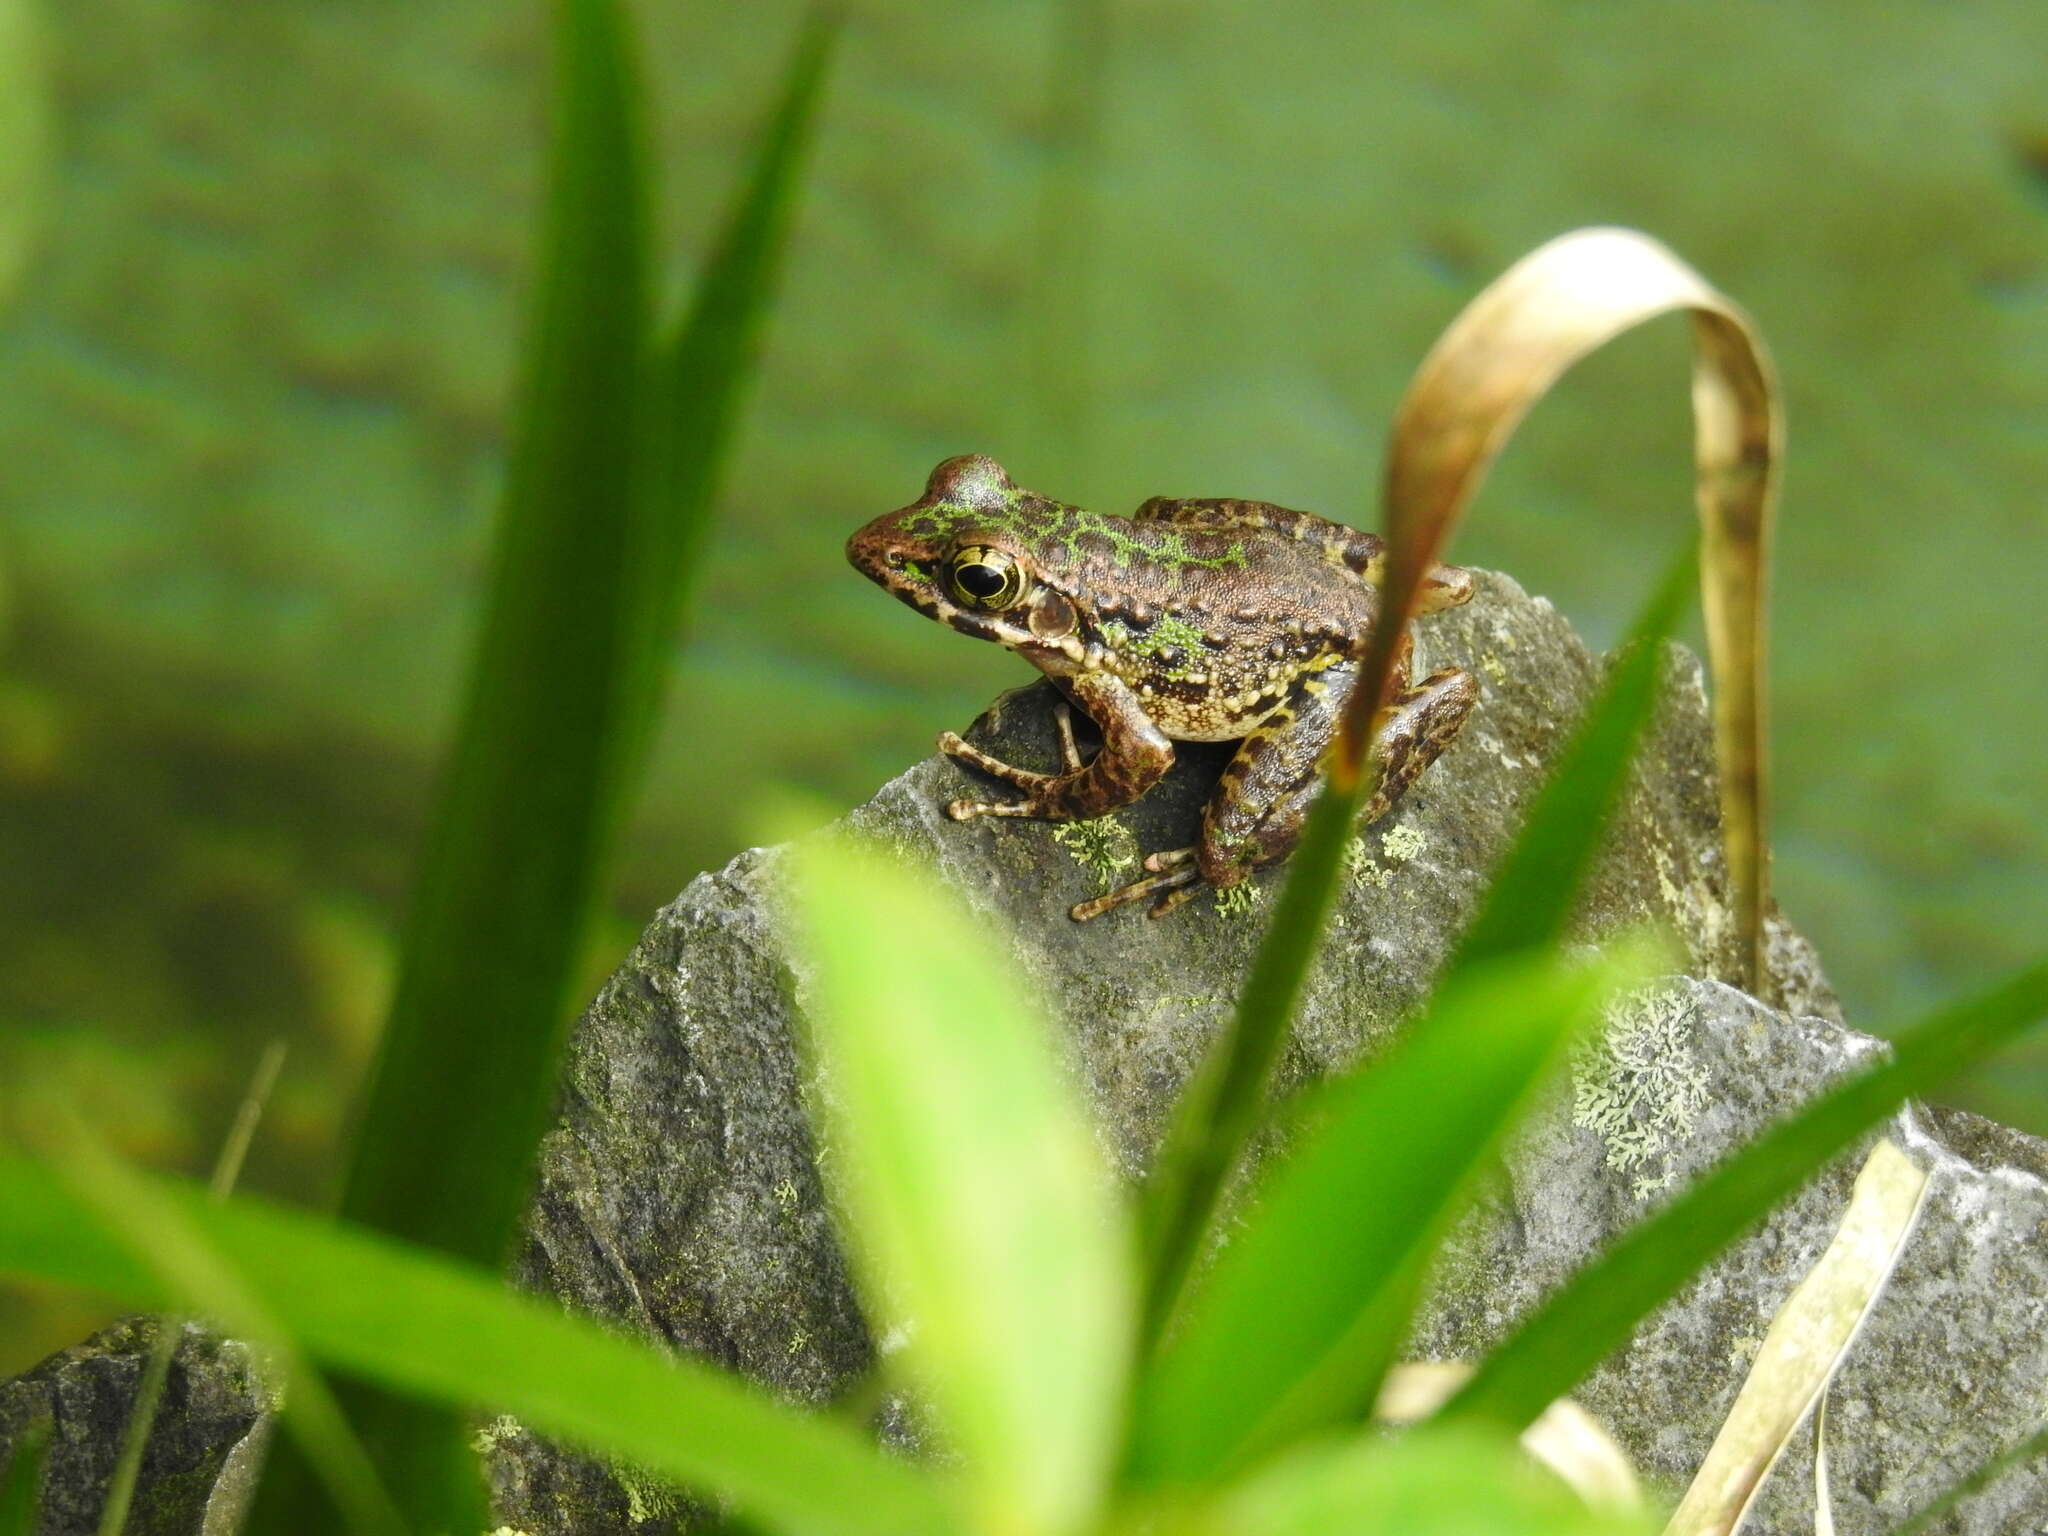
<point x="1497" y="359"/>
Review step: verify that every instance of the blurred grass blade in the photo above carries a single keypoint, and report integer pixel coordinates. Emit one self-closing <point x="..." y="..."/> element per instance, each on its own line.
<point x="1534" y="893"/>
<point x="1565" y="1438"/>
<point x="1294" y="1325"/>
<point x="163" y="1238"/>
<point x="156" y="1370"/>
<point x="612" y="465"/>
<point x="1530" y="901"/>
<point x="1497" y="359"/>
<point x="1595" y="1311"/>
<point x="425" y="1325"/>
<point x="976" y="1198"/>
<point x="2032" y="1449"/>
<point x="21" y="1482"/>
<point x="1805" y="1345"/>
<point x="505" y="882"/>
<point x="1429" y="1482"/>
<point x="699" y="374"/>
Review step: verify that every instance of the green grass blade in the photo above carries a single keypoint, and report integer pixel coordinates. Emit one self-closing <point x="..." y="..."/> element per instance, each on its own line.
<point x="431" y="1327"/>
<point x="1293" y="1327"/>
<point x="698" y="375"/>
<point x="512" y="855"/>
<point x="1430" y="1482"/>
<point x="1536" y="888"/>
<point x="2031" y="1449"/>
<point x="21" y="1483"/>
<point x="1531" y="900"/>
<point x="514" y="848"/>
<point x="1595" y="1312"/>
<point x="977" y="1199"/>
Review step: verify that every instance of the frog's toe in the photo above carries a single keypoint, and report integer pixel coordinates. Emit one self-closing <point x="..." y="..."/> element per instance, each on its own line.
<point x="1169" y="858"/>
<point x="1169" y="882"/>
<point x="1179" y="895"/>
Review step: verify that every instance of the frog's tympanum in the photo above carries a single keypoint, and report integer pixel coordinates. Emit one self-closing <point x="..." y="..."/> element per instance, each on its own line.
<point x="1208" y="620"/>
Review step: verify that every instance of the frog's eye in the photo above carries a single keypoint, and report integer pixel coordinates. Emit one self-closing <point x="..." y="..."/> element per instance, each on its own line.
<point x="985" y="578"/>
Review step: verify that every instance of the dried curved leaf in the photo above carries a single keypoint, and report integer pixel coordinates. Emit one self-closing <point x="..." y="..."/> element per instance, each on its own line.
<point x="1805" y="1345"/>
<point x="1497" y="359"/>
<point x="1565" y="1438"/>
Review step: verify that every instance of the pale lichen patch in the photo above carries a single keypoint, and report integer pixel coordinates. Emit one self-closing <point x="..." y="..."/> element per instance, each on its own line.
<point x="1639" y="1086"/>
<point x="1237" y="900"/>
<point x="1103" y="846"/>
<point x="1402" y="843"/>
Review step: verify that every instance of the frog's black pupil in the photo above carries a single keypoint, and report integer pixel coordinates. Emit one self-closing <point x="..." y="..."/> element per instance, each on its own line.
<point x="980" y="580"/>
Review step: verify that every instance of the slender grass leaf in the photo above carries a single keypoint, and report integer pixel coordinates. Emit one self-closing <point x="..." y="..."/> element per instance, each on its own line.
<point x="1535" y="891"/>
<point x="191" y="1269"/>
<point x="614" y="460"/>
<point x="1429" y="1482"/>
<point x="156" y="1369"/>
<point x="511" y="859"/>
<point x="21" y="1483"/>
<point x="1496" y="360"/>
<point x="1297" y="1320"/>
<point x="1805" y="1345"/>
<point x="1565" y="1438"/>
<point x="1594" y="1312"/>
<point x="419" y="1323"/>
<point x="1531" y="899"/>
<point x="977" y="1199"/>
<point x="698" y="375"/>
<point x="2031" y="1449"/>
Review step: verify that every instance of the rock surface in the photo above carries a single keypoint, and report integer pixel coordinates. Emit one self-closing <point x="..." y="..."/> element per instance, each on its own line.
<point x="206" y="1446"/>
<point x="679" y="1196"/>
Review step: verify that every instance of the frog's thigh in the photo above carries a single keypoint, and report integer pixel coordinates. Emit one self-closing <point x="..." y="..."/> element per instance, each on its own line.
<point x="1135" y="755"/>
<point x="1255" y="816"/>
<point x="1418" y="728"/>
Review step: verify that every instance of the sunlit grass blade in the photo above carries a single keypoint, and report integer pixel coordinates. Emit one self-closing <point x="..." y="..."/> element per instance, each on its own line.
<point x="1594" y="1312"/>
<point x="977" y="1201"/>
<point x="1293" y="1326"/>
<point x="1429" y="1482"/>
<point x="1497" y="359"/>
<point x="1805" y="1346"/>
<point x="1531" y="900"/>
<point x="21" y="1480"/>
<point x="419" y="1323"/>
<point x="699" y="373"/>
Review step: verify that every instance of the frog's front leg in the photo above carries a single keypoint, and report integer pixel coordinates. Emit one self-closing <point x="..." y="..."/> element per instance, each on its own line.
<point x="1135" y="755"/>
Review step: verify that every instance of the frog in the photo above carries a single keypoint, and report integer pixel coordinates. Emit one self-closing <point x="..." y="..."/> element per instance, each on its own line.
<point x="1192" y="620"/>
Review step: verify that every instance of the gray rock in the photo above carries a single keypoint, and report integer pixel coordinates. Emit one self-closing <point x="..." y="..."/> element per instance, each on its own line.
<point x="680" y="1199"/>
<point x="203" y="1453"/>
<point x="679" y="1196"/>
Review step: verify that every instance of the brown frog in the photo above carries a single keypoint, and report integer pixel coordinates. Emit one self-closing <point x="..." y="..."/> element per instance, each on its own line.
<point x="1213" y="620"/>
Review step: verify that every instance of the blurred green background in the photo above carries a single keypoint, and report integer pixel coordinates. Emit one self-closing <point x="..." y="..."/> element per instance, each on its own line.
<point x="260" y="275"/>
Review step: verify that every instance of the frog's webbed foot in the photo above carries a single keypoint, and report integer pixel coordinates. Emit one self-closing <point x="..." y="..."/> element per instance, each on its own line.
<point x="1175" y="878"/>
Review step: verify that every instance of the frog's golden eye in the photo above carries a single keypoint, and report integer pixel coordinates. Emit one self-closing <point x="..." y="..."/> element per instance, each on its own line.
<point x="986" y="579"/>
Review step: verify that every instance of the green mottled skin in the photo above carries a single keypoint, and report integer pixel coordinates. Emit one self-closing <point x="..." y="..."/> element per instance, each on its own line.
<point x="1205" y="620"/>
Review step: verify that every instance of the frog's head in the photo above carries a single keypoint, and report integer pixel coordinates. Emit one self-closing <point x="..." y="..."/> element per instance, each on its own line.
<point x="965" y="553"/>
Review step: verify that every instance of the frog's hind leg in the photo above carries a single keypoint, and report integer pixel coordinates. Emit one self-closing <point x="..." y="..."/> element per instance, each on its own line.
<point x="1415" y="731"/>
